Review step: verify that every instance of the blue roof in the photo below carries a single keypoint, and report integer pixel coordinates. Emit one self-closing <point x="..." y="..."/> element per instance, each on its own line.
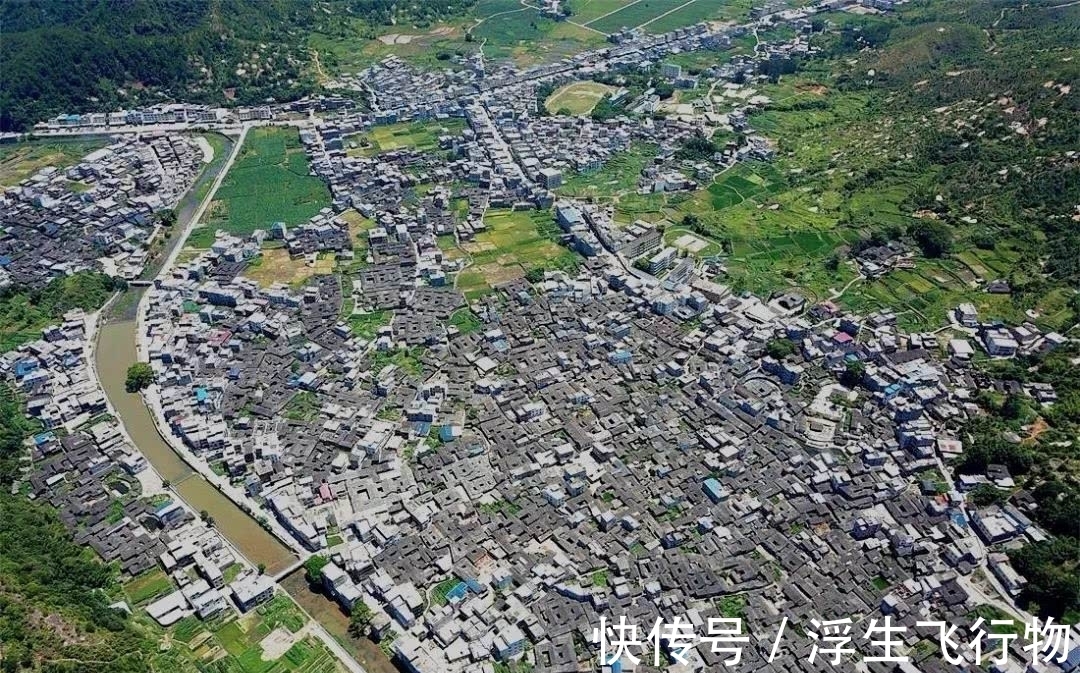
<point x="43" y="437"/>
<point x="458" y="592"/>
<point x="200" y="394"/>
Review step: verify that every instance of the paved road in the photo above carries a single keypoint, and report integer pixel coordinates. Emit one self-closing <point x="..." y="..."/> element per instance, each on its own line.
<point x="316" y="628"/>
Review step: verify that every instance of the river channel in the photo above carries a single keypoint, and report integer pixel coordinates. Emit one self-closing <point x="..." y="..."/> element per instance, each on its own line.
<point x="114" y="353"/>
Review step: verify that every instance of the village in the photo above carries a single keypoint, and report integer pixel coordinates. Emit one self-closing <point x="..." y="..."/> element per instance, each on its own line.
<point x="493" y="468"/>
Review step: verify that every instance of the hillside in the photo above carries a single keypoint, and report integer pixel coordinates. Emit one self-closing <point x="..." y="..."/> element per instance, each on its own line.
<point x="62" y="55"/>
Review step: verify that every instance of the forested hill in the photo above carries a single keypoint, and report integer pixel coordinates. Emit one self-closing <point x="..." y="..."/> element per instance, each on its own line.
<point x="70" y="55"/>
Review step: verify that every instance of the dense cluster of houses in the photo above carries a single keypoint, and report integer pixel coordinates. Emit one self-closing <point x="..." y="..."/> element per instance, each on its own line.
<point x="97" y="214"/>
<point x="617" y="441"/>
<point x="606" y="443"/>
<point x="83" y="465"/>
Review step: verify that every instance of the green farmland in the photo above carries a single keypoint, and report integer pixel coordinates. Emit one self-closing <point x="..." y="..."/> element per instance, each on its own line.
<point x="514" y="243"/>
<point x="420" y="136"/>
<point x="270" y="181"/>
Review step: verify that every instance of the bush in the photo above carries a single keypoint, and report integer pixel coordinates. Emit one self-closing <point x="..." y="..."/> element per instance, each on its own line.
<point x="780" y="348"/>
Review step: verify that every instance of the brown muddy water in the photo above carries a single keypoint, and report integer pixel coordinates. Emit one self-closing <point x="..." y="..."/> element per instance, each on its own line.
<point x="115" y="352"/>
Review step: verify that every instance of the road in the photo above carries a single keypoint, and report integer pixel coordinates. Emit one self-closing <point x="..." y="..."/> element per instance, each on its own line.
<point x="316" y="628"/>
<point x="197" y="215"/>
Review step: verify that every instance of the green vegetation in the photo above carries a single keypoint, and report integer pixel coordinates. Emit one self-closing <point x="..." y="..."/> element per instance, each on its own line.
<point x="366" y="325"/>
<point x="1047" y="466"/>
<point x="420" y="136"/>
<point x="504" y="506"/>
<point x="313" y="568"/>
<point x="139" y="376"/>
<point x="269" y="182"/>
<point x="465" y="320"/>
<point x="515" y="242"/>
<point x="21" y="160"/>
<point x="150" y="52"/>
<point x="408" y="359"/>
<point x="43" y="572"/>
<point x="880" y="583"/>
<point x="151" y="584"/>
<point x="599" y="578"/>
<point x="780" y="348"/>
<point x="577" y="98"/>
<point x="618" y="176"/>
<point x="360" y="619"/>
<point x="24" y="312"/>
<point x="732" y="607"/>
<point x="304" y="406"/>
<point x="991" y="613"/>
<point x="440" y="590"/>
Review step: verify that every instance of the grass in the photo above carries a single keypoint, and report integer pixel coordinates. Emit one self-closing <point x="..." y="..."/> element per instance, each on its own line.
<point x="439" y="591"/>
<point x="880" y="583"/>
<point x="408" y="359"/>
<point x="420" y="136"/>
<point x="521" y="34"/>
<point x="366" y="325"/>
<point x="514" y="243"/>
<point x="634" y="14"/>
<point x="269" y="182"/>
<point x="304" y="406"/>
<point x="465" y="320"/>
<point x="617" y="177"/>
<point x="274" y="265"/>
<point x="732" y="607"/>
<point x="990" y="613"/>
<point x="235" y="643"/>
<point x="577" y="98"/>
<point x="19" y="161"/>
<point x="147" y="586"/>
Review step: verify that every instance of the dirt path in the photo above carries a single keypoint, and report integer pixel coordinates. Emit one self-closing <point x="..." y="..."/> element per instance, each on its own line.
<point x="670" y="11"/>
<point x="320" y="74"/>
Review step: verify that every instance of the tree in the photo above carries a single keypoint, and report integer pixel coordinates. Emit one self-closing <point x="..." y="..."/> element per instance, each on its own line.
<point x="853" y="374"/>
<point x="696" y="148"/>
<point x="167" y="217"/>
<point x="139" y="376"/>
<point x="985" y="495"/>
<point x="780" y="348"/>
<point x="360" y="619"/>
<point x="262" y="568"/>
<point x="206" y="518"/>
<point x="641" y="264"/>
<point x="535" y="275"/>
<point x="313" y="568"/>
<point x="1014" y="408"/>
<point x="934" y="238"/>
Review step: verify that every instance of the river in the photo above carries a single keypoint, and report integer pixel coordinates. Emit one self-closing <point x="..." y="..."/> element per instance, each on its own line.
<point x="114" y="353"/>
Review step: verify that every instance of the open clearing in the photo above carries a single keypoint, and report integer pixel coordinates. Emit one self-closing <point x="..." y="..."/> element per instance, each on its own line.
<point x="275" y="265"/>
<point x="21" y="160"/>
<point x="656" y="16"/>
<point x="269" y="182"/>
<point x="515" y="242"/>
<point x="578" y="98"/>
<point x="420" y="136"/>
<point x="269" y="639"/>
